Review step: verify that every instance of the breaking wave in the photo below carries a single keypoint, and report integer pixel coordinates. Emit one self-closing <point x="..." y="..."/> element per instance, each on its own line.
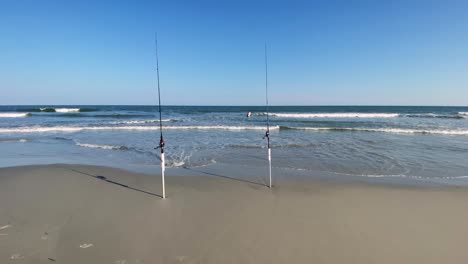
<point x="135" y="122"/>
<point x="71" y="129"/>
<point x="385" y="130"/>
<point x="334" y="115"/>
<point x="59" y="110"/>
<point x="9" y="140"/>
<point x="432" y="115"/>
<point x="114" y="116"/>
<point x="263" y="146"/>
<point x="414" y="177"/>
<point x="458" y="115"/>
<point x="65" y="110"/>
<point x="98" y="146"/>
<point x="14" y="115"/>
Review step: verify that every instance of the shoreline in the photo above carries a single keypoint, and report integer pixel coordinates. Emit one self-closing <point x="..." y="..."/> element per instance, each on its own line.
<point x="258" y="175"/>
<point x="91" y="214"/>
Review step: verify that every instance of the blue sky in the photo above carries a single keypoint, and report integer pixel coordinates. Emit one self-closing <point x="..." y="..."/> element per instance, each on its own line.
<point x="211" y="52"/>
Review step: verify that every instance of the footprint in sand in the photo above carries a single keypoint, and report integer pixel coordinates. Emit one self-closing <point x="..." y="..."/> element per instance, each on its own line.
<point x="123" y="261"/>
<point x="45" y="236"/>
<point x="86" y="245"/>
<point x="16" y="256"/>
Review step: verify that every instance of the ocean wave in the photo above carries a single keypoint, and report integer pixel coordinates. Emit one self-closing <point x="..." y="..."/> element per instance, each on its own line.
<point x="110" y="116"/>
<point x="71" y="110"/>
<point x="98" y="146"/>
<point x="116" y="116"/>
<point x="365" y="115"/>
<point x="232" y="128"/>
<point x="384" y="130"/>
<point x="242" y="146"/>
<point x="59" y="110"/>
<point x="63" y="139"/>
<point x="414" y="177"/>
<point x="45" y="109"/>
<point x="9" y="140"/>
<point x="135" y="122"/>
<point x="14" y="115"/>
<point x="258" y="146"/>
<point x="432" y="115"/>
<point x="72" y="129"/>
<point x="334" y="115"/>
<point x="67" y="110"/>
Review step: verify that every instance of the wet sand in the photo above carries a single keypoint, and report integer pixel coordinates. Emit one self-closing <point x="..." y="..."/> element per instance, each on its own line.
<point x="85" y="214"/>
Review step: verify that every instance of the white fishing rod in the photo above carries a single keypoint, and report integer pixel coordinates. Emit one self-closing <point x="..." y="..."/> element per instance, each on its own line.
<point x="161" y="140"/>
<point x="267" y="133"/>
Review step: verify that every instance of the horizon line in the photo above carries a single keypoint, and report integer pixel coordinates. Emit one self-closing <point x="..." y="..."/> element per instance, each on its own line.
<point x="279" y="105"/>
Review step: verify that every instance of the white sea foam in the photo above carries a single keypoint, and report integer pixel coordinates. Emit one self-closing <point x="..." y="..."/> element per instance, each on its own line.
<point x="221" y="127"/>
<point x="419" y="177"/>
<point x="416" y="177"/>
<point x="364" y="115"/>
<point x="85" y="145"/>
<point x="59" y="110"/>
<point x="416" y="131"/>
<point x="335" y="115"/>
<point x="422" y="115"/>
<point x="175" y="163"/>
<point x="135" y="122"/>
<point x="230" y="128"/>
<point x="432" y="115"/>
<point x="66" y="110"/>
<point x="72" y="129"/>
<point x="389" y="130"/>
<point x="13" y="115"/>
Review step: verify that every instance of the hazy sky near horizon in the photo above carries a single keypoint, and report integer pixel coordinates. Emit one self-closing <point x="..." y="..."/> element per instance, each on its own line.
<point x="211" y="52"/>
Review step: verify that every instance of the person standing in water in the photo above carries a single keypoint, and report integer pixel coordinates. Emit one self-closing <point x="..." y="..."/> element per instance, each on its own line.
<point x="249" y="114"/>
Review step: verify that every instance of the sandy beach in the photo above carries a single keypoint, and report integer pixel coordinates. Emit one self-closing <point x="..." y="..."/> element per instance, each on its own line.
<point x="288" y="132"/>
<point x="84" y="214"/>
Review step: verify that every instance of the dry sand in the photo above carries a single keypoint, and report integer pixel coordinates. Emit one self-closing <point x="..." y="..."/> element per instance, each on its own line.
<point x="63" y="214"/>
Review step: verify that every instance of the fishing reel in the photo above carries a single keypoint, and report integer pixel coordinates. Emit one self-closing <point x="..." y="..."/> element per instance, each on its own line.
<point x="267" y="134"/>
<point x="161" y="144"/>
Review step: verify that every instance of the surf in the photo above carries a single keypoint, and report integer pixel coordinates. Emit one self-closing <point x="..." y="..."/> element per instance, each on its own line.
<point x="348" y="115"/>
<point x="382" y="130"/>
<point x="334" y="115"/>
<point x="60" y="109"/>
<point x="14" y="115"/>
<point x="99" y="146"/>
<point x="71" y="129"/>
<point x="432" y="115"/>
<point x="133" y="122"/>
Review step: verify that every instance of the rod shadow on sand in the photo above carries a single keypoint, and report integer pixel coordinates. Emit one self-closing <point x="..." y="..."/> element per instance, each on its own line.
<point x="226" y="177"/>
<point x="102" y="178"/>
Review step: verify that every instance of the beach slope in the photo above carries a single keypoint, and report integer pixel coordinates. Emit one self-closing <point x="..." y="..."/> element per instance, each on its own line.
<point x="85" y="214"/>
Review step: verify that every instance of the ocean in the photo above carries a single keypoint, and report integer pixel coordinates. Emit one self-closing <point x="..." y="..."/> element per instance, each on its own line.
<point x="402" y="144"/>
